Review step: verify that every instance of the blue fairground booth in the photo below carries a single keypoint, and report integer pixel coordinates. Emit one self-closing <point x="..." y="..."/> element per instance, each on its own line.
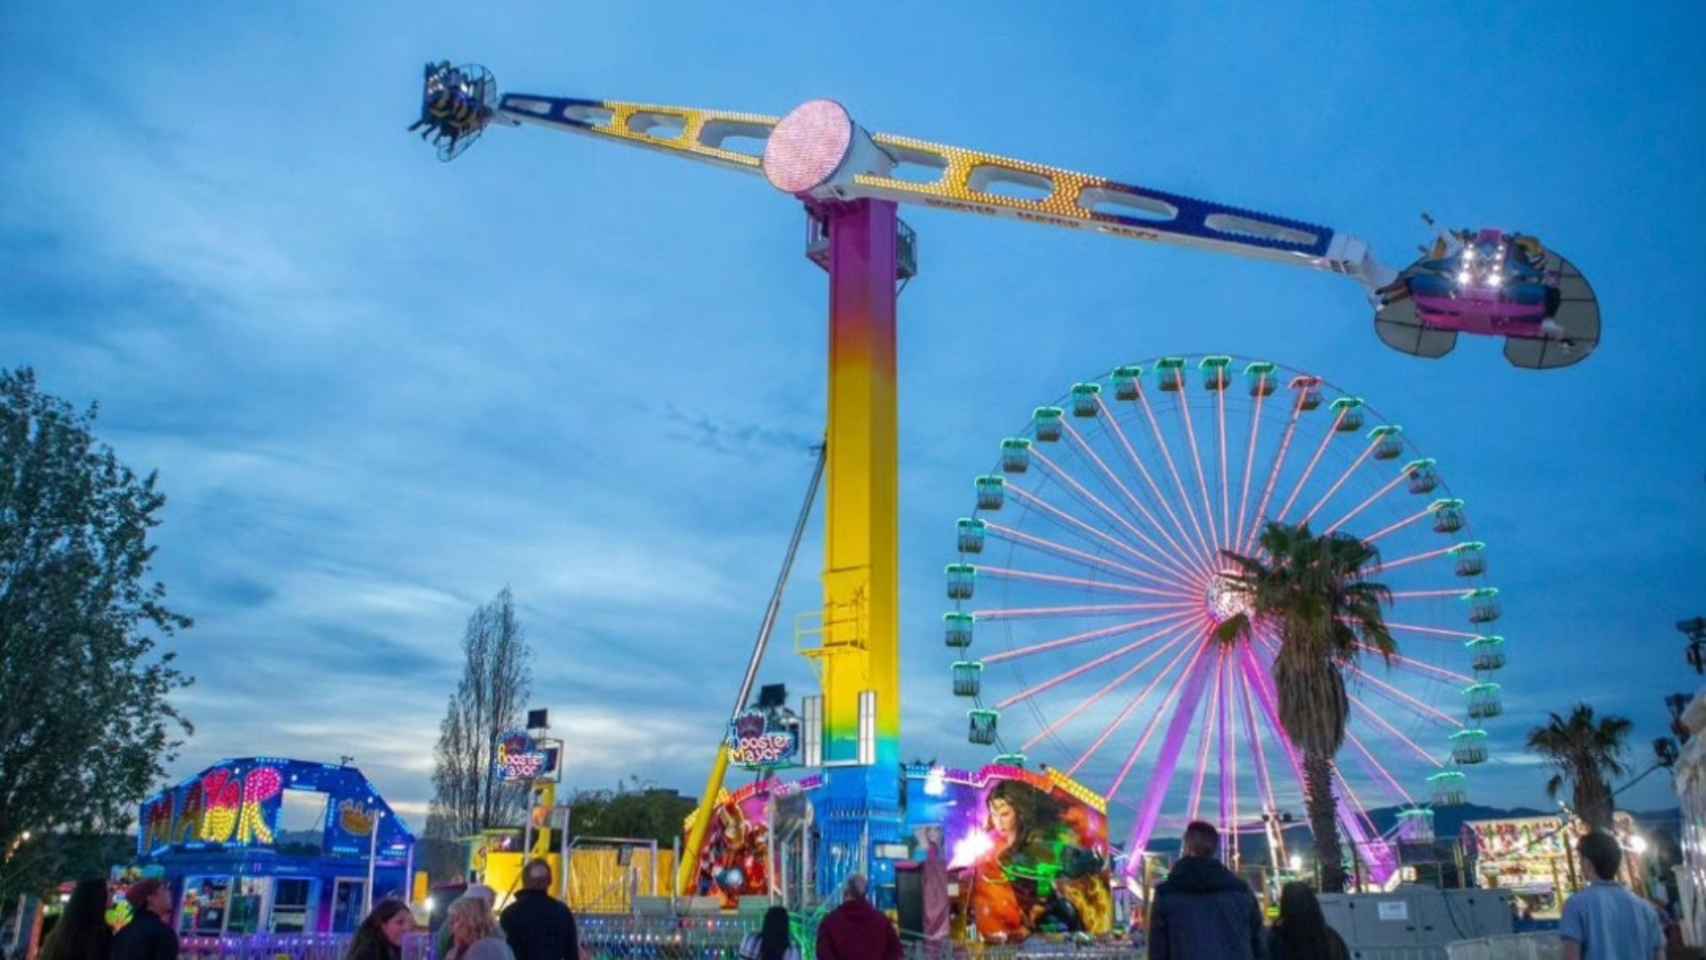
<point x="272" y="845"/>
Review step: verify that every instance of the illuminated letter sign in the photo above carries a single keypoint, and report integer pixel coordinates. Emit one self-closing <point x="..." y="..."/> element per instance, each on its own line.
<point x="262" y="784"/>
<point x="219" y="796"/>
<point x="757" y="738"/>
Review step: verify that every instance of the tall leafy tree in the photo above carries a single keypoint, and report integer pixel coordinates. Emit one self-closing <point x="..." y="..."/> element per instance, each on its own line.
<point x="1309" y="591"/>
<point x="496" y="675"/>
<point x="86" y="723"/>
<point x="1587" y="751"/>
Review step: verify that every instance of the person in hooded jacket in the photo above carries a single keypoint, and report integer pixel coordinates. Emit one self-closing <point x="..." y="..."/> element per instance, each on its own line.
<point x="1203" y="911"/>
<point x="856" y="930"/>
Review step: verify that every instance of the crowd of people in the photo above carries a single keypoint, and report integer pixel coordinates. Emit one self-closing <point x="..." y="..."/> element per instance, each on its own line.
<point x="535" y="926"/>
<point x="1202" y="911"/>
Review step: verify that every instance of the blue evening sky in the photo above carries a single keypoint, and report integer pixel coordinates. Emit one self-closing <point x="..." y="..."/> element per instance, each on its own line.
<point x="379" y="388"/>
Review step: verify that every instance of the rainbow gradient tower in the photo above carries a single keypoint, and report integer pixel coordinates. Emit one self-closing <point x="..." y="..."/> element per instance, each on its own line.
<point x="857" y="646"/>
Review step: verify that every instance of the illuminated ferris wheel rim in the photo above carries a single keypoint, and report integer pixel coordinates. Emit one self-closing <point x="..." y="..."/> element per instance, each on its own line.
<point x="1200" y="570"/>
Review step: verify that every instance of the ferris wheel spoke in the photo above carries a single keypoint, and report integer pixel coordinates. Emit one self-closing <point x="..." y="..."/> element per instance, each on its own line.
<point x="1250" y="535"/>
<point x="1430" y="631"/>
<point x="1382" y="860"/>
<point x="1094" y="500"/>
<point x="1062" y="516"/>
<point x="1309" y="470"/>
<point x="1199" y="634"/>
<point x="1205" y="736"/>
<point x="1060" y="549"/>
<point x="1100" y="661"/>
<point x="1370" y="763"/>
<point x="1161" y="776"/>
<point x="1055" y="579"/>
<point x="1149" y="480"/>
<point x="1226" y="728"/>
<point x="1394" y="732"/>
<point x="1393" y="528"/>
<point x="1082" y="638"/>
<point x="1113" y="478"/>
<point x="1252" y="734"/>
<point x="1359" y="508"/>
<point x="1080" y="610"/>
<point x="1428" y="594"/>
<point x="1237" y="536"/>
<point x="1362" y="458"/>
<point x="1225" y="490"/>
<point x="1387" y="565"/>
<point x="1417" y="666"/>
<point x="1196" y="458"/>
<point x="1113" y="685"/>
<point x="1173" y="469"/>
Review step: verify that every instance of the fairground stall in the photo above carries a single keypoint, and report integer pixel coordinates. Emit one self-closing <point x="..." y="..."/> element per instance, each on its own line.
<point x="1001" y="855"/>
<point x="1534" y="858"/>
<point x="273" y="845"/>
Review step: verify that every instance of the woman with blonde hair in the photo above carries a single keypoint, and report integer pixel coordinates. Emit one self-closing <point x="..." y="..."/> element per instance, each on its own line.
<point x="474" y="932"/>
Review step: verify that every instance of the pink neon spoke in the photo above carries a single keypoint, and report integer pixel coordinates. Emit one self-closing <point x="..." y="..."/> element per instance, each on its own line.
<point x="1368" y="758"/>
<point x="1264" y="783"/>
<point x="1082" y="610"/>
<point x="1406" y="561"/>
<point x="1196" y="456"/>
<point x="1237" y="537"/>
<point x="1036" y="501"/>
<point x="1404" y="699"/>
<point x="1119" y="484"/>
<point x="1136" y="461"/>
<point x="1061" y="549"/>
<point x="1085" y="637"/>
<point x="1313" y="462"/>
<point x="1357" y="806"/>
<point x="1083" y="668"/>
<point x="1383" y="531"/>
<point x="1413" y="664"/>
<point x="1394" y="692"/>
<point x="1382" y="722"/>
<point x="1172" y="468"/>
<point x="1274" y="473"/>
<point x="1112" y="685"/>
<point x="1054" y="578"/>
<point x="1361" y="458"/>
<point x="1430" y="631"/>
<point x="1084" y="492"/>
<point x="1359" y="508"/>
<point x="1205" y="737"/>
<point x="1225" y="492"/>
<point x="1228" y="753"/>
<point x="1154" y="719"/>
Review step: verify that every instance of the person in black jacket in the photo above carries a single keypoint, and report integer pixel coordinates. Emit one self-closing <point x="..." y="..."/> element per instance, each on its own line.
<point x="536" y="926"/>
<point x="147" y="936"/>
<point x="1202" y="911"/>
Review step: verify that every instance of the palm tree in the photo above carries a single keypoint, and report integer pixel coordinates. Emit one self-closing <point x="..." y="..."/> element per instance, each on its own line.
<point x="1310" y="591"/>
<point x="1587" y="752"/>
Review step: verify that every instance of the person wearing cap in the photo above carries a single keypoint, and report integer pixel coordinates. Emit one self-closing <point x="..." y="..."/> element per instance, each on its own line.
<point x="147" y="936"/>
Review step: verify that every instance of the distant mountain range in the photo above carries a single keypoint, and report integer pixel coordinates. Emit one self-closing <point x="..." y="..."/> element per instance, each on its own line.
<point x="1448" y="823"/>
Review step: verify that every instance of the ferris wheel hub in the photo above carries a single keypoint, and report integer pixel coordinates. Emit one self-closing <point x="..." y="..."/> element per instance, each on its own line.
<point x="1225" y="599"/>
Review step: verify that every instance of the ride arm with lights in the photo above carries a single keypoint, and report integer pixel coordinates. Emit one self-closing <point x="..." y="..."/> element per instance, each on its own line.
<point x="840" y="161"/>
<point x="818" y="154"/>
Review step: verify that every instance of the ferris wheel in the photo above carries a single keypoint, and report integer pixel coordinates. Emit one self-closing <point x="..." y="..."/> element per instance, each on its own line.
<point x="1090" y="580"/>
